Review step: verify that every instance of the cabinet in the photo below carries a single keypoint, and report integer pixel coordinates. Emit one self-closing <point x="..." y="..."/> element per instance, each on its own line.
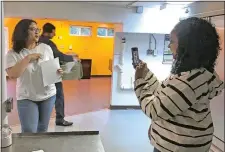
<point x="86" y="65"/>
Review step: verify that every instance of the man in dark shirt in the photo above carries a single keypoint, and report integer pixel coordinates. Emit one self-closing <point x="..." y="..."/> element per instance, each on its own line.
<point x="47" y="34"/>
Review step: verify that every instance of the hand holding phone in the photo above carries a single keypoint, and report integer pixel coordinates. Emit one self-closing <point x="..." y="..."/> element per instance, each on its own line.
<point x="141" y="70"/>
<point x="135" y="57"/>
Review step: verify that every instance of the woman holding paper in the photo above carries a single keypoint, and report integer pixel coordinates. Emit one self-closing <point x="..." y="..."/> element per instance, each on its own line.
<point x="35" y="102"/>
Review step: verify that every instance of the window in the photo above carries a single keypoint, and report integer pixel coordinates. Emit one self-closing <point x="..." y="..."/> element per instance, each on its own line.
<point x="102" y="31"/>
<point x="80" y="31"/>
<point x="110" y="32"/>
<point x="85" y="31"/>
<point x="74" y="30"/>
<point x="105" y="32"/>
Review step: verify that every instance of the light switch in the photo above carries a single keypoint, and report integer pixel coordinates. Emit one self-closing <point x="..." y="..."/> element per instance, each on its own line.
<point x="70" y="47"/>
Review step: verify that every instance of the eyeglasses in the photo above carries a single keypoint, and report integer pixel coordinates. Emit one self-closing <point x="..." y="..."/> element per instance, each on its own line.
<point x="36" y="30"/>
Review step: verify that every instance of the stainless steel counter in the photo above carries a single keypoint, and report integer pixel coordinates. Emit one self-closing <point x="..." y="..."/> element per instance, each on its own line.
<point x="87" y="141"/>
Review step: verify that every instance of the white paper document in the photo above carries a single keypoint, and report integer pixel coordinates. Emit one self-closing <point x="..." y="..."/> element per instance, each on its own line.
<point x="68" y="67"/>
<point x="49" y="72"/>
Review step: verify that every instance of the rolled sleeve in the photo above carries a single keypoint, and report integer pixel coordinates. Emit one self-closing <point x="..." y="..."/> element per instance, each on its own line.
<point x="10" y="60"/>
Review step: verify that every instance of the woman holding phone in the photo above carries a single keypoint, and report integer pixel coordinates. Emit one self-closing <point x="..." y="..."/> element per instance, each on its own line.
<point x="180" y="105"/>
<point x="34" y="101"/>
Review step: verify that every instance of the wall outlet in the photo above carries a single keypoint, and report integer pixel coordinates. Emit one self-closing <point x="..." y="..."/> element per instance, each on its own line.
<point x="70" y="47"/>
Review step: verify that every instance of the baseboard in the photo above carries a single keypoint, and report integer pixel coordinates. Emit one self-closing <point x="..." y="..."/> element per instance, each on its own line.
<point x="97" y="76"/>
<point x="218" y="144"/>
<point x="214" y="148"/>
<point x="124" y="107"/>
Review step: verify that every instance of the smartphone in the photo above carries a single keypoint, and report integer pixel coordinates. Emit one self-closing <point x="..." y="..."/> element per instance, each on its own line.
<point x="135" y="56"/>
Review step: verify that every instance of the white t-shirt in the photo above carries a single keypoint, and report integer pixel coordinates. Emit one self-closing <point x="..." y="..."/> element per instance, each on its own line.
<point x="30" y="84"/>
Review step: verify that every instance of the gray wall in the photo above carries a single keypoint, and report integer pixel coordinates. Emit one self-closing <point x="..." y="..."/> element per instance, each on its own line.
<point x="207" y="8"/>
<point x="73" y="11"/>
<point x="146" y="22"/>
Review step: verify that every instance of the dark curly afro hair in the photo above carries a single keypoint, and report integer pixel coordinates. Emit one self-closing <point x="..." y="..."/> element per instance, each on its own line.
<point x="198" y="45"/>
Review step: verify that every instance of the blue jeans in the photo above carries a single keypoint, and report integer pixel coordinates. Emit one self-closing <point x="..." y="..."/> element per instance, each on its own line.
<point x="35" y="116"/>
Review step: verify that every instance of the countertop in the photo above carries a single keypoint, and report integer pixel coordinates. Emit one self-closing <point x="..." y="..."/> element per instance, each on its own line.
<point x="82" y="141"/>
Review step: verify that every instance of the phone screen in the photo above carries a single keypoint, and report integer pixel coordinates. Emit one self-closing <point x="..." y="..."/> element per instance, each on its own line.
<point x="135" y="56"/>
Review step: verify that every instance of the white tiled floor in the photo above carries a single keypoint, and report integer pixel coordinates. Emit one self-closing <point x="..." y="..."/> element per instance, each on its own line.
<point x="120" y="130"/>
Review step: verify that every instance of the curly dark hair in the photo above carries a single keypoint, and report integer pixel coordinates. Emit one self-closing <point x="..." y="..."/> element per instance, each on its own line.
<point x="198" y="45"/>
<point x="20" y="34"/>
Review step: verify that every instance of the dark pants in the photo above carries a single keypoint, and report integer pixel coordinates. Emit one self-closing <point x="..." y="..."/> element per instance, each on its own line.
<point x="59" y="103"/>
<point x="156" y="150"/>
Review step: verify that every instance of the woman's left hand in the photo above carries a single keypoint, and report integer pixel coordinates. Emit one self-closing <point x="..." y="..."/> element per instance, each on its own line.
<point x="60" y="71"/>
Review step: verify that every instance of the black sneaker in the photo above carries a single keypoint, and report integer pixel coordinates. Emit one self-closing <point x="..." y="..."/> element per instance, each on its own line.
<point x="63" y="123"/>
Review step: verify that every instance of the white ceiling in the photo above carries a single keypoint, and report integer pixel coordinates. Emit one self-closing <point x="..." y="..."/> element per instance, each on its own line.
<point x="148" y="4"/>
<point x="113" y="3"/>
<point x="121" y="3"/>
<point x="125" y="3"/>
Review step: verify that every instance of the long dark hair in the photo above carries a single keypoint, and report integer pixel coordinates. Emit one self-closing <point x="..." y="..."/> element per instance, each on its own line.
<point x="20" y="34"/>
<point x="198" y="45"/>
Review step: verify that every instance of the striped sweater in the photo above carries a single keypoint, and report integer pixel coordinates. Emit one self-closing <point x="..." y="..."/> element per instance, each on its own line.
<point x="180" y="109"/>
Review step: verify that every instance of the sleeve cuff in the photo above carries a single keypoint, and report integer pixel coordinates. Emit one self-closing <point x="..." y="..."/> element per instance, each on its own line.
<point x="139" y="81"/>
<point x="9" y="65"/>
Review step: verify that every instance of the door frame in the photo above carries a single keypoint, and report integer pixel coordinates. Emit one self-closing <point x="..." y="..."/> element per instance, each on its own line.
<point x="3" y="90"/>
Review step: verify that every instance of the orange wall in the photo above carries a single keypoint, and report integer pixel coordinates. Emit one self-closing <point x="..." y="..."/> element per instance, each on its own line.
<point x="100" y="50"/>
